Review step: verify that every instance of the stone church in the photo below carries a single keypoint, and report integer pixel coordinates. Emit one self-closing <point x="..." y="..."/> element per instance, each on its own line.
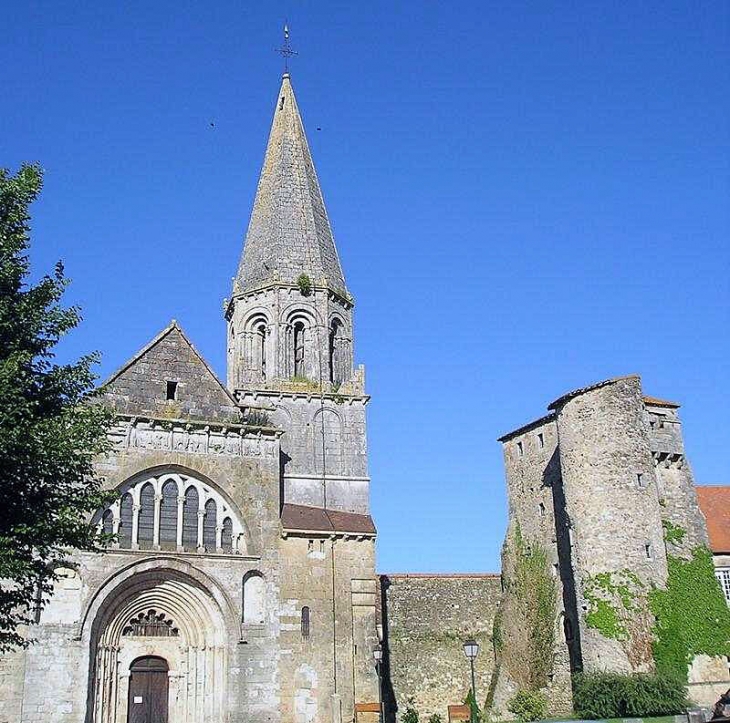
<point x="242" y="586"/>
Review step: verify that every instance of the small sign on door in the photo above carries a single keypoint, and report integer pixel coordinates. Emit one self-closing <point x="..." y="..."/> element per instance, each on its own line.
<point x="137" y="698"/>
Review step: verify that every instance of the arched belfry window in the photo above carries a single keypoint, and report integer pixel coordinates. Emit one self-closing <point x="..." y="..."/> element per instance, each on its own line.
<point x="173" y="511"/>
<point x="336" y="352"/>
<point x="299" y="332"/>
<point x="260" y="349"/>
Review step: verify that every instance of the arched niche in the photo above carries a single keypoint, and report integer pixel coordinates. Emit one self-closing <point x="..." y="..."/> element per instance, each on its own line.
<point x="327" y="441"/>
<point x="253" y="601"/>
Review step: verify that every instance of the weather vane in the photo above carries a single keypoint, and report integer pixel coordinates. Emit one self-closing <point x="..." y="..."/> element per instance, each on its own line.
<point x="286" y="50"/>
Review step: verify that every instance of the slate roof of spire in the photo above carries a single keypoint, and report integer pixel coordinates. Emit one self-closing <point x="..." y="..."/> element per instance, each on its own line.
<point x="289" y="233"/>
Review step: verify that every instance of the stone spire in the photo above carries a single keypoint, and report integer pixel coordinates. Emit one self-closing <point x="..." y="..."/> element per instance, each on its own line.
<point x="289" y="233"/>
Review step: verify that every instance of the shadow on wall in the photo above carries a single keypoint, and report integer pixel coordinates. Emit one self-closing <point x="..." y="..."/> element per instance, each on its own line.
<point x="552" y="477"/>
<point x="390" y="705"/>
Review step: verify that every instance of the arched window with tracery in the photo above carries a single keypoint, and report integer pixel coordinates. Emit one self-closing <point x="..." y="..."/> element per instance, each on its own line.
<point x="154" y="513"/>
<point x="126" y="515"/>
<point x="227" y="535"/>
<point x="168" y="516"/>
<point x="210" y="523"/>
<point x="108" y="522"/>
<point x="191" y="506"/>
<point x="146" y="519"/>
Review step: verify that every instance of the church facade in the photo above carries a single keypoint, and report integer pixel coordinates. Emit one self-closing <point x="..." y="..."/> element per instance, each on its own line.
<point x="242" y="585"/>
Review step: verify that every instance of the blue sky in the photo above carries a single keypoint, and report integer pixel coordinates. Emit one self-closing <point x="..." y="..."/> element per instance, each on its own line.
<point x="526" y="197"/>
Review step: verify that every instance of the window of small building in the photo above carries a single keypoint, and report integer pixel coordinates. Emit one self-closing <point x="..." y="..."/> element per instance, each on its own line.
<point x="723" y="576"/>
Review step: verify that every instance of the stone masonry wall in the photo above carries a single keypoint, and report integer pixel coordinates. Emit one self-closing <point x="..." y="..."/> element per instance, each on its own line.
<point x="141" y="387"/>
<point x="612" y="505"/>
<point x="675" y="482"/>
<point x="428" y="618"/>
<point x="536" y="508"/>
<point x="309" y="662"/>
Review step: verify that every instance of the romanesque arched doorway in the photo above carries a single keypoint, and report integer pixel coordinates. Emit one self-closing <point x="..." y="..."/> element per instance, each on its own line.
<point x="159" y="614"/>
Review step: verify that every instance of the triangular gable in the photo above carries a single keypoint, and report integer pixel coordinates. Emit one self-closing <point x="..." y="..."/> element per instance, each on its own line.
<point x="170" y="366"/>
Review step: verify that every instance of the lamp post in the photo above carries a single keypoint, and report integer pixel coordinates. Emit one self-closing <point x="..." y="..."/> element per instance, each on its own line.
<point x="471" y="650"/>
<point x="378" y="655"/>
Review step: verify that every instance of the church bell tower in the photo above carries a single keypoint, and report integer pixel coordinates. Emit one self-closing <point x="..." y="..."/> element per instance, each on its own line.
<point x="290" y="327"/>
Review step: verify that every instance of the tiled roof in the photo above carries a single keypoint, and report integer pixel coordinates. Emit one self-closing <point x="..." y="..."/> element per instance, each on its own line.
<point x="301" y="518"/>
<point x="715" y="505"/>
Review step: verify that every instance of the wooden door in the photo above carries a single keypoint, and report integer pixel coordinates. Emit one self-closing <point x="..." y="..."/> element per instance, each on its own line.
<point x="148" y="688"/>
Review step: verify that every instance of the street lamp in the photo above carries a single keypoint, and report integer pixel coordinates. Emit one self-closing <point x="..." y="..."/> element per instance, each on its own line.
<point x="378" y="656"/>
<point x="471" y="650"/>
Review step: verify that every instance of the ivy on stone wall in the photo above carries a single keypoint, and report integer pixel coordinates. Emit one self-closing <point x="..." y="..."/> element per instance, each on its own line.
<point x="673" y="534"/>
<point x="619" y="610"/>
<point x="611" y="598"/>
<point x="524" y="629"/>
<point x="692" y="616"/>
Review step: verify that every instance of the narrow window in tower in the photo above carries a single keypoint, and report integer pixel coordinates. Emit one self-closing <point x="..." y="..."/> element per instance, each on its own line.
<point x="281" y="103"/>
<point x="332" y="353"/>
<point x="541" y="439"/>
<point x="542" y="510"/>
<point x="171" y="391"/>
<point x="335" y="352"/>
<point x="261" y="349"/>
<point x="640" y="481"/>
<point x="299" y="349"/>
<point x="305" y="622"/>
<point x="648" y="551"/>
<point x="520" y="448"/>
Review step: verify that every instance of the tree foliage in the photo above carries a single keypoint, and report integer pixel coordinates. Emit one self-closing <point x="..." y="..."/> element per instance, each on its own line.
<point x="49" y="432"/>
<point x="615" y="695"/>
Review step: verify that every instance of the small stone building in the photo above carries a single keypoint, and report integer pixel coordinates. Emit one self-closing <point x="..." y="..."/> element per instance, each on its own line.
<point x="242" y="586"/>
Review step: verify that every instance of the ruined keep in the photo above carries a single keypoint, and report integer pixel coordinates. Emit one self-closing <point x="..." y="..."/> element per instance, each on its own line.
<point x="602" y="487"/>
<point x="601" y="499"/>
<point x="242" y="586"/>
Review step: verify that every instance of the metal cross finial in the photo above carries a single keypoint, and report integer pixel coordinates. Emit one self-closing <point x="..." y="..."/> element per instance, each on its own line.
<point x="286" y="50"/>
